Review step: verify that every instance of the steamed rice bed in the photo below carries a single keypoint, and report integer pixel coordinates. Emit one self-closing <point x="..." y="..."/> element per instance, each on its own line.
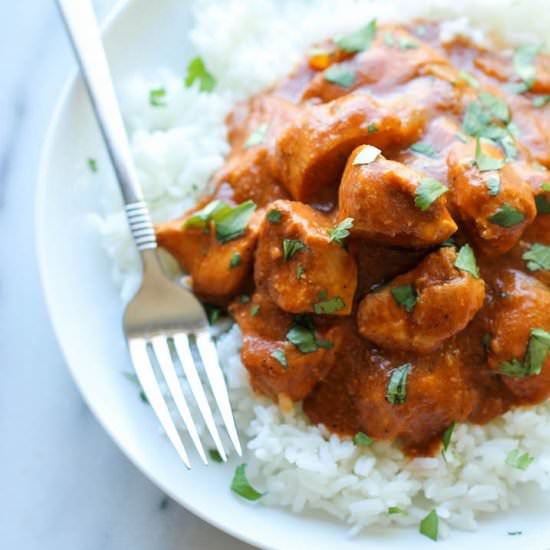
<point x="178" y="147"/>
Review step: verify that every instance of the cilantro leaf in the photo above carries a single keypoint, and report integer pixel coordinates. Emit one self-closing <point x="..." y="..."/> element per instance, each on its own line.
<point x="280" y="357"/>
<point x="362" y="439"/>
<point x="466" y="261"/>
<point x="291" y="247"/>
<point x="537" y="257"/>
<point x="299" y="271"/>
<point x="254" y="310"/>
<point x="241" y="486"/>
<point x="156" y="97"/>
<point x="258" y="136"/>
<point x="524" y="63"/>
<point x="428" y="191"/>
<point x="340" y="232"/>
<point x="519" y="460"/>
<point x="541" y="100"/>
<point x="396" y="510"/>
<point x="196" y="70"/>
<point x="274" y="216"/>
<point x="542" y="203"/>
<point x="507" y="216"/>
<point x="359" y="40"/>
<point x="405" y="43"/>
<point x="303" y="338"/>
<point x="447" y="435"/>
<point x="215" y="456"/>
<point x="469" y="79"/>
<point x="396" y="391"/>
<point x="493" y="185"/>
<point x="92" y="164"/>
<point x="201" y="218"/>
<point x="329" y="306"/>
<point x="405" y="296"/>
<point x="485" y="162"/>
<point x="340" y="75"/>
<point x="372" y="128"/>
<point x="368" y="154"/>
<point x="495" y="106"/>
<point x="538" y="346"/>
<point x="244" y="298"/>
<point x="423" y="149"/>
<point x="429" y="526"/>
<point x="235" y="260"/>
<point x="232" y="223"/>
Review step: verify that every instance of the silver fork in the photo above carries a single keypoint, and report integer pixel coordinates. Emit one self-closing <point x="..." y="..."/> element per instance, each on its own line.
<point x="161" y="310"/>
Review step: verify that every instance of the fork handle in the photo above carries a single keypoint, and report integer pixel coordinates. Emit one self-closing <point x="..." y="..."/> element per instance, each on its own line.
<point x="83" y="29"/>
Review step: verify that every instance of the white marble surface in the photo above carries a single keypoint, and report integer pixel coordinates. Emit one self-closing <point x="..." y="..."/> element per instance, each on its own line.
<point x="64" y="484"/>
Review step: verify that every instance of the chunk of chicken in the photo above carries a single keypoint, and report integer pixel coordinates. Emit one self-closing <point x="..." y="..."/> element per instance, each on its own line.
<point x="298" y="265"/>
<point x="218" y="270"/>
<point x="277" y="368"/>
<point x="436" y="301"/>
<point x="313" y="149"/>
<point x="380" y="197"/>
<point x="434" y="395"/>
<point x="495" y="206"/>
<point x="521" y="304"/>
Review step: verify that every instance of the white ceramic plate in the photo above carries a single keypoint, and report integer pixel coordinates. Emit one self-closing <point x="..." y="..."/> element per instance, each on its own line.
<point x="86" y="313"/>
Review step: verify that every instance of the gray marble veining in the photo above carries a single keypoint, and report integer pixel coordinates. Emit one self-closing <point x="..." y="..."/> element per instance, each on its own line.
<point x="65" y="485"/>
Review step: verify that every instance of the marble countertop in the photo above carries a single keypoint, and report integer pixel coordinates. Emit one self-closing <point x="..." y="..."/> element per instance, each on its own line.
<point x="65" y="485"/>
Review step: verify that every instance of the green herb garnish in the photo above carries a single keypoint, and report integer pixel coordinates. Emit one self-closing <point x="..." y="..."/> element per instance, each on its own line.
<point x="196" y="70"/>
<point x="215" y="456"/>
<point x="405" y="296"/>
<point x="329" y="306"/>
<point x="447" y="435"/>
<point x="340" y="75"/>
<point x="507" y="216"/>
<point x="485" y="162"/>
<point x="241" y="486"/>
<point x="362" y="439"/>
<point x="291" y="247"/>
<point x="541" y="201"/>
<point x="524" y="64"/>
<point x="254" y="310"/>
<point x="372" y="128"/>
<point x="428" y="191"/>
<point x="396" y="510"/>
<point x="466" y="261"/>
<point x="92" y="164"/>
<point x="359" y="40"/>
<point x="302" y="335"/>
<point x="299" y="271"/>
<point x="519" y="460"/>
<point x="405" y="43"/>
<point x="429" y="526"/>
<point x="213" y="313"/>
<point x="340" y="232"/>
<point x="537" y="257"/>
<point x="423" y="148"/>
<point x="541" y="100"/>
<point x="280" y="357"/>
<point x="201" y="218"/>
<point x="538" y="346"/>
<point x="232" y="223"/>
<point x="156" y="97"/>
<point x="258" y="136"/>
<point x="235" y="260"/>
<point x="244" y="298"/>
<point x="396" y="392"/>
<point x="274" y="216"/>
<point x="469" y="79"/>
<point x="493" y="185"/>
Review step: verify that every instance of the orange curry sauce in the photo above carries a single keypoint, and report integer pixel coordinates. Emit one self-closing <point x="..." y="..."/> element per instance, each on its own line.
<point x="353" y="273"/>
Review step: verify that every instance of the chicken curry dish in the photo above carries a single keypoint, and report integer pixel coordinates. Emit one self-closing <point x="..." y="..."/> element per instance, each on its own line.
<point x="380" y="232"/>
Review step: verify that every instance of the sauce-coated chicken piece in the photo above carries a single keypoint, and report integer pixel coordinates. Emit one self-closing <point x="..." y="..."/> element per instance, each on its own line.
<point x="298" y="265"/>
<point x="276" y="366"/>
<point x="521" y="305"/>
<point x="218" y="270"/>
<point x="313" y="149"/>
<point x="494" y="206"/>
<point x="421" y="309"/>
<point x="380" y="197"/>
<point x="416" y="407"/>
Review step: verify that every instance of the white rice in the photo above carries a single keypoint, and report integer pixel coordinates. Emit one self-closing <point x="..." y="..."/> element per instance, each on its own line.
<point x="177" y="148"/>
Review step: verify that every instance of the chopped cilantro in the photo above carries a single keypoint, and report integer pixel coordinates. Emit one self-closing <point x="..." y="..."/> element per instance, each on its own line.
<point x="302" y="335"/>
<point x="156" y="97"/>
<point x="299" y="271"/>
<point x="538" y="346"/>
<point x="362" y="439"/>
<point x="537" y="257"/>
<point x="372" y="128"/>
<point x="280" y="357"/>
<point x="469" y="79"/>
<point x="258" y="136"/>
<point x="541" y="100"/>
<point x="524" y="64"/>
<point x="215" y="456"/>
<point x="485" y="162"/>
<point x="232" y="223"/>
<point x="368" y="154"/>
<point x="486" y="342"/>
<point x="359" y="40"/>
<point x="447" y="435"/>
<point x="340" y="232"/>
<point x="235" y="260"/>
<point x="244" y="298"/>
<point x="196" y="70"/>
<point x="143" y="397"/>
<point x="423" y="149"/>
<point x="341" y="76"/>
<point x="396" y="510"/>
<point x="329" y="306"/>
<point x="396" y="391"/>
<point x="493" y="185"/>
<point x="429" y="526"/>
<point x="201" y="218"/>
<point x="213" y="313"/>
<point x="92" y="164"/>
<point x="405" y="296"/>
<point x="519" y="460"/>
<point x="466" y="261"/>
<point x="241" y="486"/>
<point x="291" y="247"/>
<point x="507" y="216"/>
<point x="542" y="203"/>
<point x="274" y="216"/>
<point x="428" y="191"/>
<point x="495" y="106"/>
<point x="545" y="186"/>
<point x="254" y="310"/>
